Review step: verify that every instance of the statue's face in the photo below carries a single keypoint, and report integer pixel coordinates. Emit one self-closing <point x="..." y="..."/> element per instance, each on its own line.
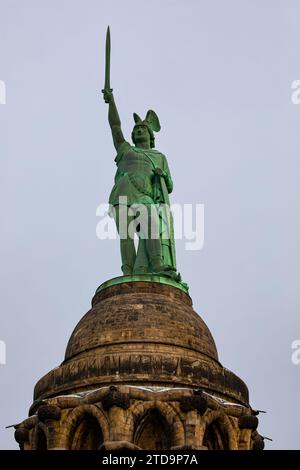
<point x="141" y="134"/>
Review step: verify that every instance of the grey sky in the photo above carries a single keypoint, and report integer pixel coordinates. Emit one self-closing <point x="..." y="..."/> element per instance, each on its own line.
<point x="219" y="76"/>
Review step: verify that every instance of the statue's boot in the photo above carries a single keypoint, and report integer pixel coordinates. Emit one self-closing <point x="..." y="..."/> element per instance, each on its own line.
<point x="167" y="272"/>
<point x="127" y="270"/>
<point x="128" y="256"/>
<point x="160" y="269"/>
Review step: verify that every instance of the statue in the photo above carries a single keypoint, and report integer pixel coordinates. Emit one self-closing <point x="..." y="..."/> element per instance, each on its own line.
<point x="142" y="186"/>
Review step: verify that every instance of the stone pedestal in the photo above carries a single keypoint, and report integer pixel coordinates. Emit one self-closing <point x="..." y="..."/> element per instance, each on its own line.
<point x="141" y="371"/>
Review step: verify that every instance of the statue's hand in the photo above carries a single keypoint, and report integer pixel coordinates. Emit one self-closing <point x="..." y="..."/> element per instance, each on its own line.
<point x="108" y="95"/>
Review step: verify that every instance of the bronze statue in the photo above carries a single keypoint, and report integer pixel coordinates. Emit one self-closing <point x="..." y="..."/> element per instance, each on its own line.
<point x="142" y="186"/>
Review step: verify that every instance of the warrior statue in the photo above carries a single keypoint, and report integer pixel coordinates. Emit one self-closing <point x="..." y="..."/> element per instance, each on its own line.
<point x="141" y="193"/>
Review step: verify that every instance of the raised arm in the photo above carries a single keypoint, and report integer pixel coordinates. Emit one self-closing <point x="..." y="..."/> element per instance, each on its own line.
<point x="114" y="119"/>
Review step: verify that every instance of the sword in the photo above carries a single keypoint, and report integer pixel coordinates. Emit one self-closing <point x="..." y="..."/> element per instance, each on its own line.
<point x="107" y="62"/>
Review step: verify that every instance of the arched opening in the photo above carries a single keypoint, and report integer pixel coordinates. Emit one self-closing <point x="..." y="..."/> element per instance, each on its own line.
<point x="41" y="439"/>
<point x="215" y="437"/>
<point x="87" y="434"/>
<point x="153" y="432"/>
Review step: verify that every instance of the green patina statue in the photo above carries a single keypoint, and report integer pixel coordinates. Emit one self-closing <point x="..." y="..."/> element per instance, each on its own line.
<point x="141" y="193"/>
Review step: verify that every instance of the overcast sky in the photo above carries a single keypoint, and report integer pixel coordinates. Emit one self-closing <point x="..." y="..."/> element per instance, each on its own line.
<point x="219" y="75"/>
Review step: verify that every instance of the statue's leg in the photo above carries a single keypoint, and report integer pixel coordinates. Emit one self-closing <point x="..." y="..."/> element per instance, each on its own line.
<point x="167" y="238"/>
<point x="141" y="261"/>
<point x="140" y="214"/>
<point x="128" y="254"/>
<point x="149" y="233"/>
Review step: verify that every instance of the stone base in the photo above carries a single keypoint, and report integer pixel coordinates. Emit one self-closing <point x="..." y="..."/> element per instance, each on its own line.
<point x="141" y="371"/>
<point x="141" y="333"/>
<point x="132" y="417"/>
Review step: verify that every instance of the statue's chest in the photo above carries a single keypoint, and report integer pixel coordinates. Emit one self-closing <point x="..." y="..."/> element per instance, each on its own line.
<point x="138" y="161"/>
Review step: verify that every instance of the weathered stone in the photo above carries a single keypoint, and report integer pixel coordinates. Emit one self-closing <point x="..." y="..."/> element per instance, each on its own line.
<point x="141" y="371"/>
<point x="248" y="422"/>
<point x="21" y="435"/>
<point x="46" y="412"/>
<point x="258" y="443"/>
<point x="166" y="342"/>
<point x="197" y="402"/>
<point x="115" y="398"/>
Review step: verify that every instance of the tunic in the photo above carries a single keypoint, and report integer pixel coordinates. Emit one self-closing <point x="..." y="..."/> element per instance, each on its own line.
<point x="134" y="176"/>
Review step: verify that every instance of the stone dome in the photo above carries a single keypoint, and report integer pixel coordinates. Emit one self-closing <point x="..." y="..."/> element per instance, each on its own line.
<point x="141" y="312"/>
<point x="141" y="333"/>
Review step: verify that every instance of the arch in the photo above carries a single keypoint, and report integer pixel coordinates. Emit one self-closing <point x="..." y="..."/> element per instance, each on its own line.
<point x="153" y="432"/>
<point x="88" y="434"/>
<point x="155" y="425"/>
<point x="86" y="427"/>
<point x="218" y="432"/>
